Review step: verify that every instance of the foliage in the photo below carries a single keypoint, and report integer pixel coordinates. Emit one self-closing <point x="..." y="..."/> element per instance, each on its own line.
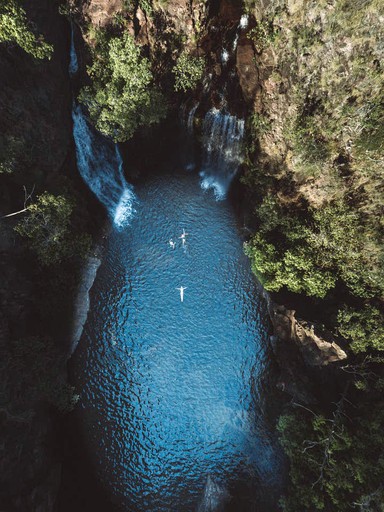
<point x="146" y="6"/>
<point x="331" y="181"/>
<point x="309" y="256"/>
<point x="122" y="96"/>
<point x="293" y="269"/>
<point x="14" y="27"/>
<point x="259" y="124"/>
<point x="364" y="327"/>
<point x="342" y="242"/>
<point x="317" y="184"/>
<point x="262" y="34"/>
<point x="10" y="149"/>
<point x="188" y="71"/>
<point x="47" y="226"/>
<point x="336" y="463"/>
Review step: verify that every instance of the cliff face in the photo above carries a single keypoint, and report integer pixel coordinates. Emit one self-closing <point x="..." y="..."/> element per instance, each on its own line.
<point x="320" y="75"/>
<point x="35" y="103"/>
<point x="315" y="150"/>
<point x="157" y="25"/>
<point x="35" y="144"/>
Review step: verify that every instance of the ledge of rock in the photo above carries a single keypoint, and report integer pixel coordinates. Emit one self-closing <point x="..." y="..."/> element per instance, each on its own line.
<point x="315" y="350"/>
<point x="82" y="302"/>
<point x="246" y="69"/>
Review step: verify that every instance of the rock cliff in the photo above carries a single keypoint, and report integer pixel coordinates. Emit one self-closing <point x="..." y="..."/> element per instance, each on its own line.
<point x="35" y="148"/>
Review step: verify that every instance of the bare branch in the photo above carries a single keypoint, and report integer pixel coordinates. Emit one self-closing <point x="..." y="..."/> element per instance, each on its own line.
<point x="27" y="197"/>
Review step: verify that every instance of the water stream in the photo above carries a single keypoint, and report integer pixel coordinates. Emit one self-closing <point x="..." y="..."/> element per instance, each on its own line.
<point x="101" y="167"/>
<point x="99" y="161"/>
<point x="222" y="143"/>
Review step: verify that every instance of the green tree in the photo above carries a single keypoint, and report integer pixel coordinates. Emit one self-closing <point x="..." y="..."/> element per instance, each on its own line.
<point x="188" y="71"/>
<point x="309" y="253"/>
<point x="14" y="27"/>
<point x="293" y="269"/>
<point x="122" y="96"/>
<point x="364" y="327"/>
<point x="336" y="463"/>
<point x="47" y="226"/>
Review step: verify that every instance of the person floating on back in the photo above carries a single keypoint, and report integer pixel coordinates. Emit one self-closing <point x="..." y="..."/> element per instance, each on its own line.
<point x="182" y="288"/>
<point x="172" y="243"/>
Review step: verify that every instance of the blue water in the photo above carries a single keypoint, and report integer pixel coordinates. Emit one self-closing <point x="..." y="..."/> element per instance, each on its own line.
<point x="173" y="394"/>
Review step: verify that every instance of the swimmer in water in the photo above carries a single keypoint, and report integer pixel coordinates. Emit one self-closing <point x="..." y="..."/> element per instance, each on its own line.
<point x="182" y="288"/>
<point x="183" y="236"/>
<point x="172" y="243"/>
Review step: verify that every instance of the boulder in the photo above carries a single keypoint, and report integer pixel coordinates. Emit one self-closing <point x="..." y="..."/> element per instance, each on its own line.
<point x="314" y="348"/>
<point x="247" y="70"/>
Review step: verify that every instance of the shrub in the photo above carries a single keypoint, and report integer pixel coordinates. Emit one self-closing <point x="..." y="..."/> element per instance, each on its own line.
<point x="364" y="327"/>
<point x="14" y="27"/>
<point x="262" y="35"/>
<point x="122" y="97"/>
<point x="188" y="71"/>
<point x="10" y="150"/>
<point x="294" y="269"/>
<point x="47" y="226"/>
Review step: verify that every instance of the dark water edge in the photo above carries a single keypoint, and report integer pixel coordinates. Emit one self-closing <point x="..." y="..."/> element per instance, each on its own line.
<point x="82" y="491"/>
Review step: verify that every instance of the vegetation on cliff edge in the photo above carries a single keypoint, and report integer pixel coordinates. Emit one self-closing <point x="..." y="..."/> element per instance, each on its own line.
<point x="316" y="174"/>
<point x="16" y="28"/>
<point x="122" y="96"/>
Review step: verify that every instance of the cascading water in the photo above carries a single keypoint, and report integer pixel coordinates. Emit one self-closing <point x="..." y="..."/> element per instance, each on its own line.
<point x="99" y="162"/>
<point x="101" y="167"/>
<point x="191" y="116"/>
<point x="73" y="62"/>
<point x="222" y="141"/>
<point x="244" y="20"/>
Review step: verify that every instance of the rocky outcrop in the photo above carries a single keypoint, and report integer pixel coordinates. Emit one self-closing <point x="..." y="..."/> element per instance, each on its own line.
<point x="82" y="301"/>
<point x="247" y="70"/>
<point x="101" y="12"/>
<point x="314" y="349"/>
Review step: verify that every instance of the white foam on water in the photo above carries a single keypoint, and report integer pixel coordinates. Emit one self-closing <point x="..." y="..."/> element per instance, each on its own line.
<point x="224" y="56"/>
<point x="244" y="21"/>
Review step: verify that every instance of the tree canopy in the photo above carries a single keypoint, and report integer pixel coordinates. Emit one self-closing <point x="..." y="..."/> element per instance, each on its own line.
<point x="122" y="96"/>
<point x="15" y="27"/>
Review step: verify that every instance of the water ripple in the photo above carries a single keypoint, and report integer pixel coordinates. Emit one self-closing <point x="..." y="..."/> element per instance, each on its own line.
<point x="172" y="393"/>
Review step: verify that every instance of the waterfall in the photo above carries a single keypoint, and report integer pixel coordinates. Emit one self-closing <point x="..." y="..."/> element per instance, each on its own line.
<point x="99" y="161"/>
<point x="222" y="147"/>
<point x="190" y="118"/>
<point x="73" y="62"/>
<point x="101" y="166"/>
<point x="224" y="56"/>
<point x="244" y="20"/>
